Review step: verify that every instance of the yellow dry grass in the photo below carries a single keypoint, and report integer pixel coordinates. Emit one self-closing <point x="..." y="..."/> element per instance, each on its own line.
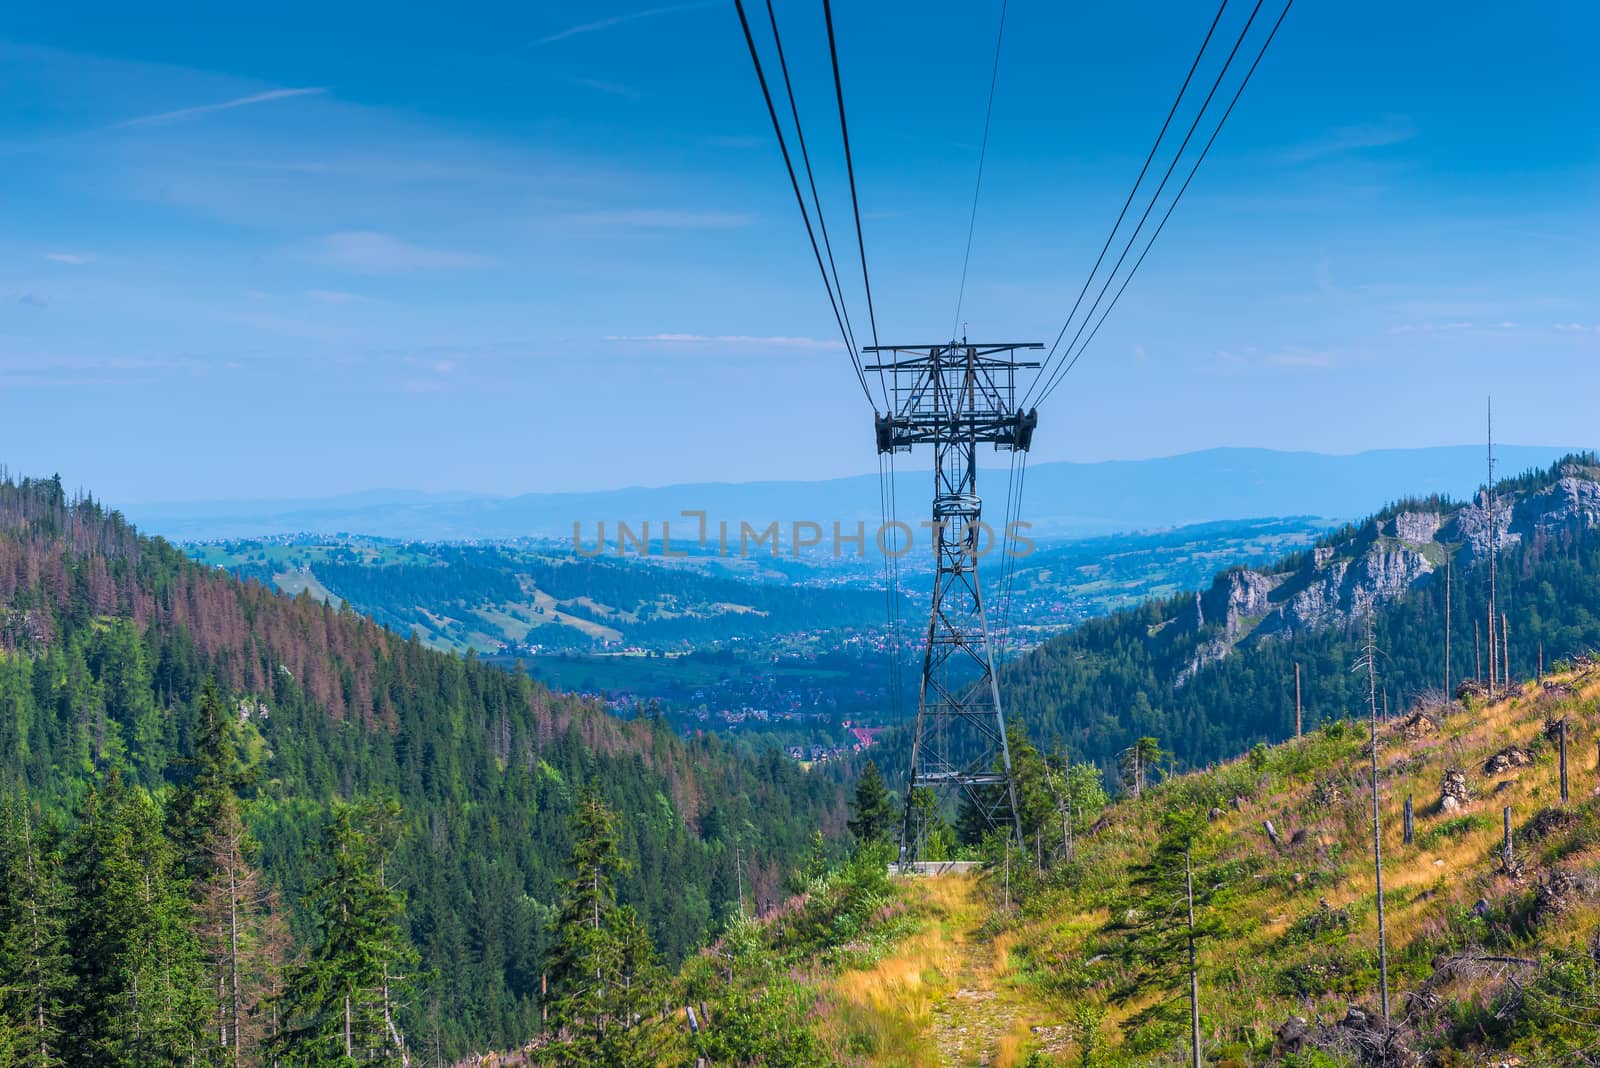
<point x="1454" y="868"/>
<point x="950" y="994"/>
<point x="937" y="998"/>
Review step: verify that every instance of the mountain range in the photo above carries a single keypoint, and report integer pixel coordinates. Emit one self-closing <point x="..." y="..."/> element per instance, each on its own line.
<point x="1060" y="498"/>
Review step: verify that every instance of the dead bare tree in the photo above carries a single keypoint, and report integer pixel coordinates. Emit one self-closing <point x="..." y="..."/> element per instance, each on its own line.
<point x="1494" y="534"/>
<point x="1297" y="721"/>
<point x="1563" y="760"/>
<point x="1194" y="975"/>
<point x="1505" y="652"/>
<point x="1369" y="660"/>
<point x="1449" y="567"/>
<point x="1477" y="649"/>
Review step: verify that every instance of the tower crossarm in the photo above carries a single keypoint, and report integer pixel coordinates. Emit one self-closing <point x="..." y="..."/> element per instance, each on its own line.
<point x="957" y="391"/>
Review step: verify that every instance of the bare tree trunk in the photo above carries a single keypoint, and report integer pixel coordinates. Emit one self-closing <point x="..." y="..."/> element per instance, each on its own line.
<point x="1194" y="975"/>
<point x="1494" y="654"/>
<point x="1297" y="720"/>
<point x="1477" y="648"/>
<point x="1563" y="760"/>
<point x="388" y="1022"/>
<point x="1377" y="827"/>
<point x="233" y="951"/>
<point x="1505" y="651"/>
<point x="1066" y="830"/>
<point x="738" y="869"/>
<point x="1494" y="545"/>
<point x="1449" y="567"/>
<point x="35" y="945"/>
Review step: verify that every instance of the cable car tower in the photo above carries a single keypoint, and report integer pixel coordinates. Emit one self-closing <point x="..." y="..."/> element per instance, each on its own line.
<point x="956" y="397"/>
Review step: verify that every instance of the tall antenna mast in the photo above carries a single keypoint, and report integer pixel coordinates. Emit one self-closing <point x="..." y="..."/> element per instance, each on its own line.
<point x="956" y="396"/>
<point x="1494" y="534"/>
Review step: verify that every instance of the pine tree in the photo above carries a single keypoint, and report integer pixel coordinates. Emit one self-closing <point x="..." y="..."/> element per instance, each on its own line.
<point x="138" y="978"/>
<point x="338" y="1006"/>
<point x="34" y="978"/>
<point x="601" y="964"/>
<point x="875" y="816"/>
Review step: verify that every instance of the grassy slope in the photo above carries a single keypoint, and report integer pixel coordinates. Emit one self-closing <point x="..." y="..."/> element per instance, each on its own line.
<point x="939" y="996"/>
<point x="1027" y="979"/>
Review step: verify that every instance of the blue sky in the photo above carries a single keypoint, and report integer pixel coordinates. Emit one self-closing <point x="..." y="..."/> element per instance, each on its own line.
<point x="310" y="249"/>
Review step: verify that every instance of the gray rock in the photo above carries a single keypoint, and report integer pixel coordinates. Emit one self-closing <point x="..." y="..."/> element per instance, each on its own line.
<point x="1419" y="528"/>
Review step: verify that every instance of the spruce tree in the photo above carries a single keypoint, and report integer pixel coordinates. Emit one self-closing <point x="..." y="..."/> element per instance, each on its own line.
<point x="339" y="1005"/>
<point x="138" y="978"/>
<point x="602" y="967"/>
<point x="875" y="815"/>
<point x="35" y="982"/>
<point x="1030" y="779"/>
<point x="1174" y="900"/>
<point x="211" y="778"/>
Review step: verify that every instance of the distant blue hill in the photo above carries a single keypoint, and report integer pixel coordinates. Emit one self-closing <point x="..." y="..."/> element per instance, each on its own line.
<point x="1061" y="499"/>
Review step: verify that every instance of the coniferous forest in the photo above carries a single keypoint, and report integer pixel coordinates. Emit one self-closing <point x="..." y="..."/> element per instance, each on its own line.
<point x="237" y="824"/>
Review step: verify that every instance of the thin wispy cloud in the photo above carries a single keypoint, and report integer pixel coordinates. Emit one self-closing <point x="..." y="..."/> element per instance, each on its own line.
<point x="733" y="141"/>
<point x="1355" y="138"/>
<point x="1313" y="360"/>
<point x="660" y="219"/>
<point x="180" y="114"/>
<point x="609" y="88"/>
<point x="71" y="258"/>
<point x="1452" y="326"/>
<point x="728" y="339"/>
<point x="1250" y="358"/>
<point x="334" y="296"/>
<point x="372" y="252"/>
<point x="614" y="20"/>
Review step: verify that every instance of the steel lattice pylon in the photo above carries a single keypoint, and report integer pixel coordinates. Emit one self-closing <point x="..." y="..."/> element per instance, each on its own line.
<point x="955" y="397"/>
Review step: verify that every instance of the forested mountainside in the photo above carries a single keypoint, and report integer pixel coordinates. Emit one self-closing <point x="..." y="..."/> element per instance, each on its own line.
<point x="108" y="640"/>
<point x="1212" y="673"/>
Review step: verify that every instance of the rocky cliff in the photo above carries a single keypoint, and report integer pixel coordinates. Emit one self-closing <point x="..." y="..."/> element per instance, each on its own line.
<point x="1359" y="569"/>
